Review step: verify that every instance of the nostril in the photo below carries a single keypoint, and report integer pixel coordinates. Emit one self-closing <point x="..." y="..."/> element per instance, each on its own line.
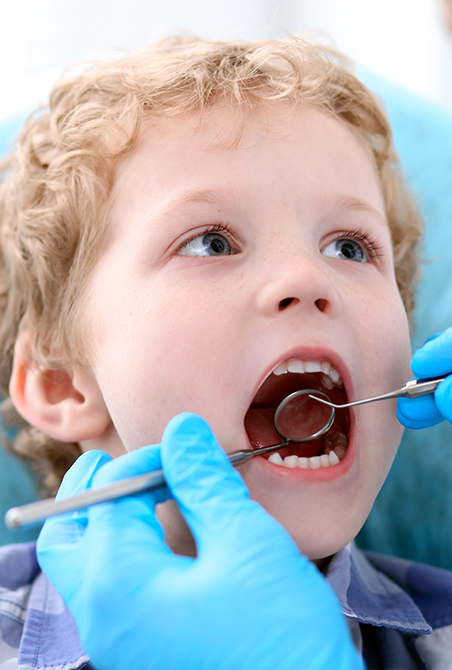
<point x="321" y="303"/>
<point x="286" y="302"/>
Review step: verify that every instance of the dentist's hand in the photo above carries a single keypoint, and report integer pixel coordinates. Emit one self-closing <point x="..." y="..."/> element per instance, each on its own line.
<point x="434" y="359"/>
<point x="249" y="600"/>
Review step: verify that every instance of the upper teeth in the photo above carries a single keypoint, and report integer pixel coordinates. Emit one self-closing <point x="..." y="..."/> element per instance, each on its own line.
<point x="330" y="376"/>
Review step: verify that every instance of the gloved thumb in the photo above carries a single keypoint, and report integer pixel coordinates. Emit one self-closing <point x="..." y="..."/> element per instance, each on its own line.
<point x="434" y="359"/>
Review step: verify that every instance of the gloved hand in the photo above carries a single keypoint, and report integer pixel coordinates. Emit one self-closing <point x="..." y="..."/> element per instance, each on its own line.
<point x="249" y="600"/>
<point x="434" y="359"/>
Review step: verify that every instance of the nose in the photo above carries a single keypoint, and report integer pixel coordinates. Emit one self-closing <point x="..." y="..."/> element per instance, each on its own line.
<point x="301" y="281"/>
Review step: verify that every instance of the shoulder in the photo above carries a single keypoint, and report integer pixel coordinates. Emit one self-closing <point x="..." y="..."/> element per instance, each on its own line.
<point x="430" y="590"/>
<point x="18" y="570"/>
<point x="18" y="565"/>
<point x="429" y="587"/>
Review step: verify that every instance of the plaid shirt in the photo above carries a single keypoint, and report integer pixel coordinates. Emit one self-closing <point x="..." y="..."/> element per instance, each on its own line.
<point x="400" y="613"/>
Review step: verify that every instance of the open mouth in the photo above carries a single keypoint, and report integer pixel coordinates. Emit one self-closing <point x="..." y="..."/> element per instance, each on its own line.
<point x="290" y="376"/>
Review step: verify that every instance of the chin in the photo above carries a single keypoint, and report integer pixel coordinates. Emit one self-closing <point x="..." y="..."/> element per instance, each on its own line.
<point x="319" y="538"/>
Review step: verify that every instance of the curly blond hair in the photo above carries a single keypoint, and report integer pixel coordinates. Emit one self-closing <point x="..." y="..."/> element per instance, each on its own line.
<point x="55" y="193"/>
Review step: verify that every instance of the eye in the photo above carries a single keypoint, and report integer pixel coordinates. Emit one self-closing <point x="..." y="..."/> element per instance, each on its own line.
<point x="207" y="244"/>
<point x="347" y="249"/>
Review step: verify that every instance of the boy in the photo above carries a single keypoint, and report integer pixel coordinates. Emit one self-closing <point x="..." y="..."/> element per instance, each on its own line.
<point x="206" y="227"/>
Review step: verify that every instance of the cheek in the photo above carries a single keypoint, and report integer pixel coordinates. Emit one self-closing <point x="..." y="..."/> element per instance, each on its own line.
<point x="162" y="356"/>
<point x="386" y="356"/>
<point x="385" y="334"/>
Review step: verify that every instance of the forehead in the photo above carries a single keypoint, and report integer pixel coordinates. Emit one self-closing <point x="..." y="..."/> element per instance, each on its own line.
<point x="200" y="157"/>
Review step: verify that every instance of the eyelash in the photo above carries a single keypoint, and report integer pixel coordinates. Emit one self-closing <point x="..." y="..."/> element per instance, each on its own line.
<point x="373" y="248"/>
<point x="215" y="228"/>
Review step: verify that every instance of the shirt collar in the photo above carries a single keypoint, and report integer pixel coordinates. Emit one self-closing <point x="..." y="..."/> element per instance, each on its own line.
<point x="50" y="640"/>
<point x="369" y="596"/>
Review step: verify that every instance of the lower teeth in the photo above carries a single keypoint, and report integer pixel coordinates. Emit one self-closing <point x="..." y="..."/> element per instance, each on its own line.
<point x="335" y="448"/>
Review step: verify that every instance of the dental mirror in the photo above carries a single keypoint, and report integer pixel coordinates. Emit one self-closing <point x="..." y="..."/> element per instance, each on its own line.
<point x="299" y="404"/>
<point x="298" y="418"/>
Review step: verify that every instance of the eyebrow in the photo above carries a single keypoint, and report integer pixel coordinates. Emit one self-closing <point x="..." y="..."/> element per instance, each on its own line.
<point x="199" y="196"/>
<point x="215" y="197"/>
<point x="350" y="202"/>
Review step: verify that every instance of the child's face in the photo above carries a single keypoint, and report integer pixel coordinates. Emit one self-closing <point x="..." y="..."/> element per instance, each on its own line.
<point x="227" y="262"/>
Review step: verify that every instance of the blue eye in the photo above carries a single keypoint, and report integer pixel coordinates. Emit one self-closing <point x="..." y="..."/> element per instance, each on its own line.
<point x="210" y="244"/>
<point x="346" y="249"/>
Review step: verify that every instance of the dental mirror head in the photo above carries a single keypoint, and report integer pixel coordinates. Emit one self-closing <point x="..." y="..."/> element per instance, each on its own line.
<point x="299" y="418"/>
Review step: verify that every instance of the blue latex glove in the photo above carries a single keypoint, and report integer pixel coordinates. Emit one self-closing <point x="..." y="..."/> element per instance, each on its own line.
<point x="434" y="359"/>
<point x="249" y="600"/>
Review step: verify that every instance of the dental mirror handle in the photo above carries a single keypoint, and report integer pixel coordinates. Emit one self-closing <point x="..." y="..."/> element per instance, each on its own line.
<point x="32" y="513"/>
<point x="241" y="456"/>
<point x="412" y="389"/>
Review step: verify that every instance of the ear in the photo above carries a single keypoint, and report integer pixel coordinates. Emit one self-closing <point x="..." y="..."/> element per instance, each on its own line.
<point x="66" y="405"/>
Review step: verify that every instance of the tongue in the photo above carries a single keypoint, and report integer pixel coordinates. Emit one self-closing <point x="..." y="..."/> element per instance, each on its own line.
<point x="260" y="427"/>
<point x="262" y="433"/>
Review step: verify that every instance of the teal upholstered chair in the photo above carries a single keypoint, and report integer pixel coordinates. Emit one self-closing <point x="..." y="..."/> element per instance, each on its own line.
<point x="412" y="517"/>
<point x="413" y="514"/>
<point x="17" y="485"/>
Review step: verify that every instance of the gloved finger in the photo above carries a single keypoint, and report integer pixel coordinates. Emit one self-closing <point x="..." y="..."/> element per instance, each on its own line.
<point x="211" y="493"/>
<point x="417" y="413"/>
<point x="443" y="398"/>
<point x="431" y="338"/>
<point x="435" y="357"/>
<point x="137" y="462"/>
<point x="80" y="475"/>
<point x="123" y="514"/>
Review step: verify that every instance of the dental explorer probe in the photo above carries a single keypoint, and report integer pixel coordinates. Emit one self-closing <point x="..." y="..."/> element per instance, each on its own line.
<point x="412" y="389"/>
<point x="25" y="515"/>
